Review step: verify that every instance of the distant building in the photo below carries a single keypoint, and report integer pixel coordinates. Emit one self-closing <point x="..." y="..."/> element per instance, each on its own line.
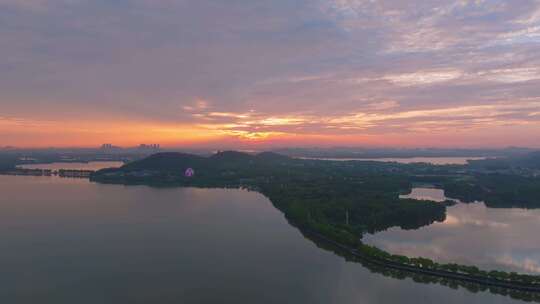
<point x="149" y="148"/>
<point x="109" y="148"/>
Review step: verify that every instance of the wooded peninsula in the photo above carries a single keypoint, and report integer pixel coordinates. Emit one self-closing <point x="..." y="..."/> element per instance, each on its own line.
<point x="339" y="201"/>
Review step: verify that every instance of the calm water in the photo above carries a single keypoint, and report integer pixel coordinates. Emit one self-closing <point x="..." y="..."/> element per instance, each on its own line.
<point x="411" y="160"/>
<point x="473" y="234"/>
<point x="431" y="194"/>
<point x="97" y="165"/>
<point x="71" y="241"/>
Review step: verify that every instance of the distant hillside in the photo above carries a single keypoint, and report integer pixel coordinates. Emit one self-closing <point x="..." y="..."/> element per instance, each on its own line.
<point x="530" y="160"/>
<point x="271" y="156"/>
<point x="345" y="152"/>
<point x="180" y="161"/>
<point x="167" y="162"/>
<point x="231" y="156"/>
<point x="7" y="162"/>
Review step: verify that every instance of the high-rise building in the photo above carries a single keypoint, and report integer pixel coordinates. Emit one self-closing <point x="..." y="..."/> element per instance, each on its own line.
<point x="149" y="147"/>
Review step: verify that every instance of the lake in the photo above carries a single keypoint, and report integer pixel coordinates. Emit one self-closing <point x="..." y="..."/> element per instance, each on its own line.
<point x="95" y="165"/>
<point x="72" y="241"/>
<point x="472" y="234"/>
<point x="425" y="193"/>
<point x="410" y="160"/>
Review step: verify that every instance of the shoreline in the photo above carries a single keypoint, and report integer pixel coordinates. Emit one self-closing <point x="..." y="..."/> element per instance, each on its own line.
<point x="513" y="285"/>
<point x="378" y="261"/>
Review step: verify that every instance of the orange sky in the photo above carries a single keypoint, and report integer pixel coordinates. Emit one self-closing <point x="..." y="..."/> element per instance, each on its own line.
<point x="132" y="133"/>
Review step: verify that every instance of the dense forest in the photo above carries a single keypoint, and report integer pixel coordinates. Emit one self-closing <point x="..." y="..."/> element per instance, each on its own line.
<point x="530" y="160"/>
<point x="497" y="190"/>
<point x="313" y="193"/>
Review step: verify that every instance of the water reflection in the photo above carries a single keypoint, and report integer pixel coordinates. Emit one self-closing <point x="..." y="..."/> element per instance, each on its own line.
<point x="97" y="165"/>
<point x="71" y="241"/>
<point x="431" y="194"/>
<point x="421" y="278"/>
<point x="471" y="234"/>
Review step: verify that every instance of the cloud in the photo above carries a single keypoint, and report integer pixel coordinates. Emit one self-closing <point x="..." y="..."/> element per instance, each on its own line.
<point x="32" y="5"/>
<point x="375" y="117"/>
<point x="532" y="18"/>
<point x="354" y="68"/>
<point x="511" y="75"/>
<point x="423" y="77"/>
<point x="455" y="221"/>
<point x="527" y="264"/>
<point x="197" y="105"/>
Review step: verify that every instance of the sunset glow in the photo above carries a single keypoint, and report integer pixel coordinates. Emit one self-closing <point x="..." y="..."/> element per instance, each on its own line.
<point x="271" y="73"/>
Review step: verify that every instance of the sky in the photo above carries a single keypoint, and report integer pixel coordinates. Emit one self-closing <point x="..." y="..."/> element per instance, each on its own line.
<point x="269" y="73"/>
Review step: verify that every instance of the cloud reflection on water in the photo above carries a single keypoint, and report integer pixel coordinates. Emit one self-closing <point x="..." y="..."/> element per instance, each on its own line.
<point x="471" y="234"/>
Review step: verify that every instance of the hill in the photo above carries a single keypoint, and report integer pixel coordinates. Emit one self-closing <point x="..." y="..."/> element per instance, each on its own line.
<point x="166" y="162"/>
<point x="177" y="162"/>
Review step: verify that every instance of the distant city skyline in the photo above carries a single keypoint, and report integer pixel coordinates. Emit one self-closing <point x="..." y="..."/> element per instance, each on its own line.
<point x="273" y="73"/>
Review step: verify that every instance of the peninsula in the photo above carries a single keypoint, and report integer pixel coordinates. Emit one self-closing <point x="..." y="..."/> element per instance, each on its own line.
<point x="340" y="201"/>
